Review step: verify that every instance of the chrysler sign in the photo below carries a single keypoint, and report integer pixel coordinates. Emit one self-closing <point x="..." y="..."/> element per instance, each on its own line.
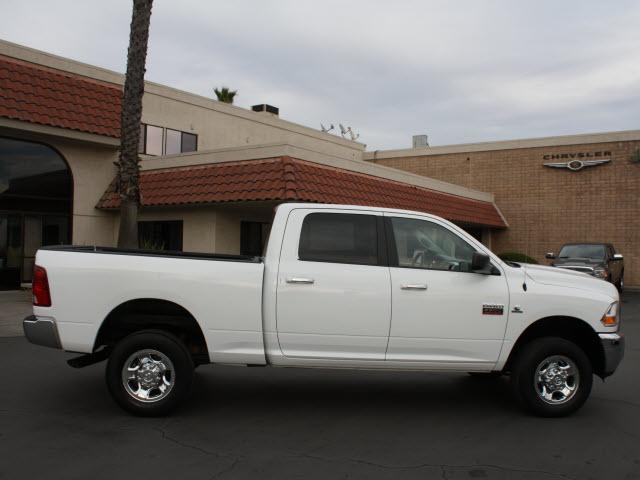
<point x="578" y="160"/>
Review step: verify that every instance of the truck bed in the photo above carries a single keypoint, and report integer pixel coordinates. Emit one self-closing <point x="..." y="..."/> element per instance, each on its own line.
<point x="223" y="293"/>
<point x="153" y="253"/>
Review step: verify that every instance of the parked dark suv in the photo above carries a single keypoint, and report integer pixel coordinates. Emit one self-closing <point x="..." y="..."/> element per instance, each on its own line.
<point x="597" y="259"/>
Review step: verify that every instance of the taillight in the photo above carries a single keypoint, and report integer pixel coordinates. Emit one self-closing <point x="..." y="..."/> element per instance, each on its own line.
<point x="40" y="287"/>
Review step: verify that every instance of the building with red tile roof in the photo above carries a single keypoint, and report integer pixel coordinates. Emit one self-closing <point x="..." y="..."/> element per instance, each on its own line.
<point x="211" y="173"/>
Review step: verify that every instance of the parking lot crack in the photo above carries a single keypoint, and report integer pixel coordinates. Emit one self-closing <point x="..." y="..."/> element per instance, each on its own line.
<point x="444" y="467"/>
<point x="226" y="470"/>
<point x="167" y="437"/>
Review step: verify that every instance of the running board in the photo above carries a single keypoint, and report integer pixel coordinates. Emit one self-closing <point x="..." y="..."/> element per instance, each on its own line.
<point x="89" y="358"/>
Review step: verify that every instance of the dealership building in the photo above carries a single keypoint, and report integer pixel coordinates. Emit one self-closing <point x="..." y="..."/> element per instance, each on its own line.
<point x="212" y="173"/>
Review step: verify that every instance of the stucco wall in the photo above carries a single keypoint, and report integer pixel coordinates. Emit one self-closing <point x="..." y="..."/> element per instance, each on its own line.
<point x="228" y="126"/>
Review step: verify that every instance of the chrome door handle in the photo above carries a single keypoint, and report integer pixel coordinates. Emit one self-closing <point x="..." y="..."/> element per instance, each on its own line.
<point x="300" y="280"/>
<point x="413" y="286"/>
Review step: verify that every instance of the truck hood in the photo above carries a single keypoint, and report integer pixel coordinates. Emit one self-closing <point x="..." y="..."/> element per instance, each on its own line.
<point x="568" y="278"/>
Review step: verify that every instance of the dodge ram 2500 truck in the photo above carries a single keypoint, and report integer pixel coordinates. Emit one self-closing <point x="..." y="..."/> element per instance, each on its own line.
<point x="339" y="287"/>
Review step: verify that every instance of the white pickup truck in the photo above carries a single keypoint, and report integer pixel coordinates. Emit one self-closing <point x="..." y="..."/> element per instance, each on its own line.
<point x="339" y="287"/>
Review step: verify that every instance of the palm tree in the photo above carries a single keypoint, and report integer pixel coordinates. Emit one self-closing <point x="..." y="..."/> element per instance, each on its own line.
<point x="225" y="95"/>
<point x="128" y="162"/>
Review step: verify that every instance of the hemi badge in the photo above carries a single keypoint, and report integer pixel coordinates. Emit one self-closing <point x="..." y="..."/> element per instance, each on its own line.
<point x="492" y="309"/>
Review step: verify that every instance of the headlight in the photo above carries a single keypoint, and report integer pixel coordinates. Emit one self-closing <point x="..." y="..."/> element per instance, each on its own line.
<point x="610" y="319"/>
<point x="600" y="272"/>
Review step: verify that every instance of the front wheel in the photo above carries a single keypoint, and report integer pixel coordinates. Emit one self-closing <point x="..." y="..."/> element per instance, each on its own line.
<point x="149" y="373"/>
<point x="552" y="377"/>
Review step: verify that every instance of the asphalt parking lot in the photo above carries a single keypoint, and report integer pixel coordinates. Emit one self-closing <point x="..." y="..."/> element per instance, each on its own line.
<point x="58" y="422"/>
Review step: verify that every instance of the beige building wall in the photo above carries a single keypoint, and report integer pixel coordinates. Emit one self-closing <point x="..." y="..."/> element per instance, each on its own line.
<point x="545" y="207"/>
<point x="209" y="229"/>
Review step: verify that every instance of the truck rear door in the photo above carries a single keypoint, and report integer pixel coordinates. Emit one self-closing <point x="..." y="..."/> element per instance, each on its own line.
<point x="333" y="293"/>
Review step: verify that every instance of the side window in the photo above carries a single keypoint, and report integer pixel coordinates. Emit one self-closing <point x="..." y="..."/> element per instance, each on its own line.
<point x="339" y="238"/>
<point x="424" y="244"/>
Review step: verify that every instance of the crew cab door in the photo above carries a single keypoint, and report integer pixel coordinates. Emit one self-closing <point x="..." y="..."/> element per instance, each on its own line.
<point x="333" y="292"/>
<point x="444" y="315"/>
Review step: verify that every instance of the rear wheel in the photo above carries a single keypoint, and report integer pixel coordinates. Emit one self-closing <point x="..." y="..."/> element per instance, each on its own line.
<point x="149" y="373"/>
<point x="552" y="377"/>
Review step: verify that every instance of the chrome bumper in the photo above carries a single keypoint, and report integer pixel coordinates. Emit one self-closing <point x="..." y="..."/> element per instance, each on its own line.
<point x="41" y="331"/>
<point x="613" y="348"/>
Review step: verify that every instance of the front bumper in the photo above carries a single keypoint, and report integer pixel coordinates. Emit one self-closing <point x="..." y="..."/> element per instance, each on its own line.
<point x="613" y="348"/>
<point x="41" y="331"/>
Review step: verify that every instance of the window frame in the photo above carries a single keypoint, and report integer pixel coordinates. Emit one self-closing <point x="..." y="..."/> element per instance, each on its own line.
<point x="392" y="249"/>
<point x="382" y="258"/>
<point x="182" y="142"/>
<point x="144" y="136"/>
<point x="166" y="139"/>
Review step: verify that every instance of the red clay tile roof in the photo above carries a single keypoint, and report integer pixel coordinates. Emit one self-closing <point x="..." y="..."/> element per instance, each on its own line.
<point x="36" y="94"/>
<point x="290" y="179"/>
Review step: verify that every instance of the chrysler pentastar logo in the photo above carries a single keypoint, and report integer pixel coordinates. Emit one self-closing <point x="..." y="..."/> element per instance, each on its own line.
<point x="576" y="165"/>
<point x="575" y="160"/>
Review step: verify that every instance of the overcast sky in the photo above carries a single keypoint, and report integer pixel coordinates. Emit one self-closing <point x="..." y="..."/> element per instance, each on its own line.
<point x="459" y="71"/>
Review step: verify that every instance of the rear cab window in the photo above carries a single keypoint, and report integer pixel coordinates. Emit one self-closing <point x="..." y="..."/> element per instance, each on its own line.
<point x="340" y="238"/>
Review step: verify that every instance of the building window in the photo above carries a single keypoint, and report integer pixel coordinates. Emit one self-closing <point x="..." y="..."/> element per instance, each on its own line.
<point x="165" y="141"/>
<point x="153" y="140"/>
<point x="189" y="142"/>
<point x="179" y="142"/>
<point x="35" y="206"/>
<point x="160" y="235"/>
<point x="253" y="238"/>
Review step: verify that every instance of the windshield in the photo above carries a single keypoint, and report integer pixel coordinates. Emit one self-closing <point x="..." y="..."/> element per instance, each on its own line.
<point x="593" y="252"/>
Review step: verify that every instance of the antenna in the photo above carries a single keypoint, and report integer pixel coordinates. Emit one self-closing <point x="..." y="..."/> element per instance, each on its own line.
<point x="353" y="135"/>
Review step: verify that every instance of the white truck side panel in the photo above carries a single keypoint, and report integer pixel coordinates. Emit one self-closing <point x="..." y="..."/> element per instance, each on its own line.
<point x="225" y="297"/>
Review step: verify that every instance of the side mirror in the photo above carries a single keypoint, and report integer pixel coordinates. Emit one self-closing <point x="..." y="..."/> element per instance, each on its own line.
<point x="550" y="255"/>
<point x="480" y="262"/>
<point x="617" y="256"/>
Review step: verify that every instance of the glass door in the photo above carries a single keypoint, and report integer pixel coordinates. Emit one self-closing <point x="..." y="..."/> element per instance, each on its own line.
<point x="10" y="251"/>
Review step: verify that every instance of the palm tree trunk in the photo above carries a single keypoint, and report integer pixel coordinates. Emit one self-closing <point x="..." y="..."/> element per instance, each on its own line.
<point x="128" y="163"/>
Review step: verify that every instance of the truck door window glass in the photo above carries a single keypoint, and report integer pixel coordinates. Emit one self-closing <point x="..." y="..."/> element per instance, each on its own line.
<point x="339" y="238"/>
<point x="423" y="244"/>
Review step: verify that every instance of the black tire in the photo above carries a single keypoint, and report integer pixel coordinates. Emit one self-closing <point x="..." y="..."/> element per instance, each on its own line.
<point x="620" y="284"/>
<point x="524" y="382"/>
<point x="180" y="376"/>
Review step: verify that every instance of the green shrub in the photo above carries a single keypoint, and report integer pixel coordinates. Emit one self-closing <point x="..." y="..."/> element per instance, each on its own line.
<point x="517" y="257"/>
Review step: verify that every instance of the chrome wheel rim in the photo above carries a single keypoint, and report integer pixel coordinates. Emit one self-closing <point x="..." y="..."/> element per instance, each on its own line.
<point x="557" y="379"/>
<point x="148" y="376"/>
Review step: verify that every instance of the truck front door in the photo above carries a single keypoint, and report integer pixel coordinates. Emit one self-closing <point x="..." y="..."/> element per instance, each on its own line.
<point x="333" y="293"/>
<point x="444" y="315"/>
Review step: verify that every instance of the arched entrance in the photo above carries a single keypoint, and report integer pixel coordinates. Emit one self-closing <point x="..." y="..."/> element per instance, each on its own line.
<point x="36" y="191"/>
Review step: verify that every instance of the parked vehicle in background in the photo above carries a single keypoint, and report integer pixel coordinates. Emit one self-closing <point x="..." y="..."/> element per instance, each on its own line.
<point x="597" y="259"/>
<point x="339" y="287"/>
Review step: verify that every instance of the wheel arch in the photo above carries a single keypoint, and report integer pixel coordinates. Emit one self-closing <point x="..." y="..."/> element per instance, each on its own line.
<point x="570" y="328"/>
<point x="153" y="313"/>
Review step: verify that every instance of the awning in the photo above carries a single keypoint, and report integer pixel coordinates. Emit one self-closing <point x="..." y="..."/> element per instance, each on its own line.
<point x="289" y="179"/>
